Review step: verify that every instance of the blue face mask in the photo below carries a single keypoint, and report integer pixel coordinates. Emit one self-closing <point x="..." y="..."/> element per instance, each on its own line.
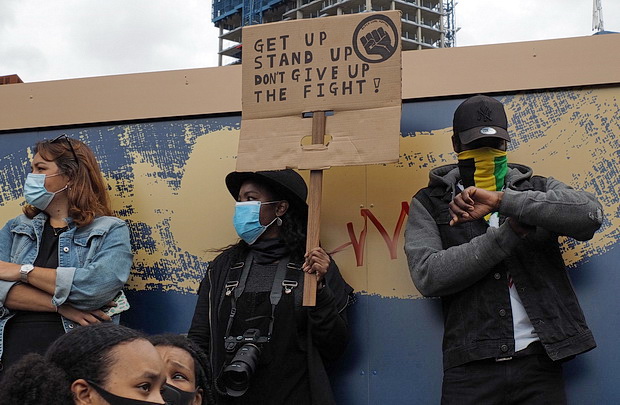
<point x="35" y="192"/>
<point x="247" y="220"/>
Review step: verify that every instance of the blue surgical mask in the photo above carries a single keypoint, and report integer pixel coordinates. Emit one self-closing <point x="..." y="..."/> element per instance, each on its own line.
<point x="247" y="220"/>
<point x="35" y="192"/>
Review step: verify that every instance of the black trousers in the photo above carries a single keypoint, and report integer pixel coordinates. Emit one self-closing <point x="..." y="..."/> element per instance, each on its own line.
<point x="532" y="380"/>
<point x="29" y="332"/>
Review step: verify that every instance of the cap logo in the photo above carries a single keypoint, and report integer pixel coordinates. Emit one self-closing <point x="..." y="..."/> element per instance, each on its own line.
<point x="488" y="131"/>
<point x="484" y="114"/>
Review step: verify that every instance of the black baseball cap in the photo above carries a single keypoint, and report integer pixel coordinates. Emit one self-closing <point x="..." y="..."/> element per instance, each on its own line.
<point x="480" y="117"/>
<point x="286" y="182"/>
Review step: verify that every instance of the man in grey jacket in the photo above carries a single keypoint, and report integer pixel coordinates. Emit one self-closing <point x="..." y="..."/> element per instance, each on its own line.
<point x="483" y="236"/>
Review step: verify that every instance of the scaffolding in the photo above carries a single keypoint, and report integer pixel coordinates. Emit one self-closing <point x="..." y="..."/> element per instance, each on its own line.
<point x="426" y="24"/>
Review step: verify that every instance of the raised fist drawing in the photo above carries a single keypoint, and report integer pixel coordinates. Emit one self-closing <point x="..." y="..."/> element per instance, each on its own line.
<point x="377" y="42"/>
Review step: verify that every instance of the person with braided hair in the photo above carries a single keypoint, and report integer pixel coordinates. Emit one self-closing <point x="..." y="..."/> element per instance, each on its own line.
<point x="186" y="370"/>
<point x="101" y="364"/>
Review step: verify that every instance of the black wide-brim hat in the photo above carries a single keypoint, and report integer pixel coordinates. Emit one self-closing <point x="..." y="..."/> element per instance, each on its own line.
<point x="286" y="182"/>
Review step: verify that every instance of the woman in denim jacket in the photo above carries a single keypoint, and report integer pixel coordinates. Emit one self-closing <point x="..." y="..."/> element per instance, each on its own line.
<point x="66" y="258"/>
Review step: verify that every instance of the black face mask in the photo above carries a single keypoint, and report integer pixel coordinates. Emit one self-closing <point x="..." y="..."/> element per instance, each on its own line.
<point x="174" y="396"/>
<point x="116" y="400"/>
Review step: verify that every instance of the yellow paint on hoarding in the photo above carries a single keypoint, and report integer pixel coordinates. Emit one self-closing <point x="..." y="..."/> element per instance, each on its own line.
<point x="570" y="135"/>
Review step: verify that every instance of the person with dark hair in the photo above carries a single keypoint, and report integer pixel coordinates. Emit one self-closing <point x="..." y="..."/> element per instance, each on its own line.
<point x="66" y="258"/>
<point x="483" y="236"/>
<point x="186" y="370"/>
<point x="98" y="364"/>
<point x="264" y="346"/>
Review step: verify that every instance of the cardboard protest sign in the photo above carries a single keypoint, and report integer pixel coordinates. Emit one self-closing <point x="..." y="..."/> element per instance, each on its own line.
<point x="349" y="65"/>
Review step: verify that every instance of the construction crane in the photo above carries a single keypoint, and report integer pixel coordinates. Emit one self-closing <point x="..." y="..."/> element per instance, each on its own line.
<point x="597" y="16"/>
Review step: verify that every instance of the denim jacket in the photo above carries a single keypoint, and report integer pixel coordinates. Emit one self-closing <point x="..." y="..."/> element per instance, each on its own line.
<point x="466" y="265"/>
<point x="94" y="262"/>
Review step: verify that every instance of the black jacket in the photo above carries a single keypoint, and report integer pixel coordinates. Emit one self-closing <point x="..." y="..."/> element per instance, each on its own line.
<point x="326" y="323"/>
<point x="467" y="264"/>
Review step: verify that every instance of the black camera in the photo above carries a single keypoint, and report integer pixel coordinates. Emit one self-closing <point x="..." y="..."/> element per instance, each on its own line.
<point x="237" y="374"/>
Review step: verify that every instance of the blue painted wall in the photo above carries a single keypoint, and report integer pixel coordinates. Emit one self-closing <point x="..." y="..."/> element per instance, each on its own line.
<point x="395" y="351"/>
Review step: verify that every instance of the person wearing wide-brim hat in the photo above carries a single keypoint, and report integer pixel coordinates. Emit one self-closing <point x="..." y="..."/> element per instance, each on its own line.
<point x="252" y="294"/>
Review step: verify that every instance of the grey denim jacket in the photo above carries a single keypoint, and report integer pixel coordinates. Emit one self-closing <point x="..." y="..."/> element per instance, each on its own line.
<point x="466" y="265"/>
<point x="94" y="262"/>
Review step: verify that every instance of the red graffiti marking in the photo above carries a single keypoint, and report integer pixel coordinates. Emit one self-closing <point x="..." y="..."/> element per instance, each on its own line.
<point x="360" y="244"/>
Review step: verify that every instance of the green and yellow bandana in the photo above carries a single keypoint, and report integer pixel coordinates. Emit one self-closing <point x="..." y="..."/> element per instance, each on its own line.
<point x="484" y="168"/>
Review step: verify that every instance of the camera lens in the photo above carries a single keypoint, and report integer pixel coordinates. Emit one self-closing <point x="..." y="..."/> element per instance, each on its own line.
<point x="238" y="373"/>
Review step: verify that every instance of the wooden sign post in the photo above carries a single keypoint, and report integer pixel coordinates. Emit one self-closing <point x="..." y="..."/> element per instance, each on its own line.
<point x="350" y="65"/>
<point x="315" y="193"/>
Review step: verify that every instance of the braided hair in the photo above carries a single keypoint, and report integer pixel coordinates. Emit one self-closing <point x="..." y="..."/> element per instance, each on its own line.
<point x="83" y="353"/>
<point x="35" y="381"/>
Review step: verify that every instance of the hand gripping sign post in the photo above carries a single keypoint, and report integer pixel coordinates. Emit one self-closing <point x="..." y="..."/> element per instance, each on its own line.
<point x="343" y="72"/>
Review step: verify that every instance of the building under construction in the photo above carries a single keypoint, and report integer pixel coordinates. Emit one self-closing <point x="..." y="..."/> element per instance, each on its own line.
<point x="426" y="24"/>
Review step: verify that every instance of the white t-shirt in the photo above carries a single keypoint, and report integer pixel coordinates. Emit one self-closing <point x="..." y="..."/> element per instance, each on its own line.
<point x="524" y="333"/>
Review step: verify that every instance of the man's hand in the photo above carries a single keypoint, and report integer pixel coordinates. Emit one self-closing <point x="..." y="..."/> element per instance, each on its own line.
<point x="473" y="203"/>
<point x="519" y="228"/>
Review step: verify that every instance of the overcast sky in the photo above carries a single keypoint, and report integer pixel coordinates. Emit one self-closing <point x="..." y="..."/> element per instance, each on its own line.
<point x="60" y="39"/>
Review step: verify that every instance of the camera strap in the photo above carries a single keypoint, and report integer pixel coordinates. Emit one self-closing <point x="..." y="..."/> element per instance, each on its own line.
<point x="234" y="288"/>
<point x="276" y="291"/>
